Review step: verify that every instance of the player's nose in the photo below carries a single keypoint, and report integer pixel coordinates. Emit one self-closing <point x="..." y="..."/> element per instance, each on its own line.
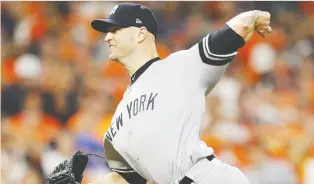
<point x="108" y="37"/>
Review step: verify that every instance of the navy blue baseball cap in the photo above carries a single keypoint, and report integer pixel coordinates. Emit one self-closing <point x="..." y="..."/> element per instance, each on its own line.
<point x="127" y="15"/>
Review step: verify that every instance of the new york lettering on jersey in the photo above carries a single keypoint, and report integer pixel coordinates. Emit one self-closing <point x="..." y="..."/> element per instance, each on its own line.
<point x="134" y="108"/>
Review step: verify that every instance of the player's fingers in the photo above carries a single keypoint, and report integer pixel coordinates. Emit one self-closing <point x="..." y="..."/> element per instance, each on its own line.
<point x="261" y="34"/>
<point x="261" y="28"/>
<point x="261" y="22"/>
<point x="264" y="31"/>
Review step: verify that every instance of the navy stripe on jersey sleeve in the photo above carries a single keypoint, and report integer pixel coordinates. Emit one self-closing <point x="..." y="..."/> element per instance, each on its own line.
<point x="211" y="58"/>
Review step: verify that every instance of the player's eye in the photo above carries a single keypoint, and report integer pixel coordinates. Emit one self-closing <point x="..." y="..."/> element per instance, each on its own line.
<point x="114" y="29"/>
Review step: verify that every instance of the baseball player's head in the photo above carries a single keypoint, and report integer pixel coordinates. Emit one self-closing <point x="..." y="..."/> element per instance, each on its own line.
<point x="130" y="30"/>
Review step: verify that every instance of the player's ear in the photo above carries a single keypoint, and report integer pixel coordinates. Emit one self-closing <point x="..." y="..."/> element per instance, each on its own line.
<point x="142" y="34"/>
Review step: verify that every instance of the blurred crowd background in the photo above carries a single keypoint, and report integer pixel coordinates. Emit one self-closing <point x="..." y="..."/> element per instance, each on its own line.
<point x="59" y="90"/>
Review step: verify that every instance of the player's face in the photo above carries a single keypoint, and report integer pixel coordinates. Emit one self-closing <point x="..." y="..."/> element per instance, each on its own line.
<point x="121" y="42"/>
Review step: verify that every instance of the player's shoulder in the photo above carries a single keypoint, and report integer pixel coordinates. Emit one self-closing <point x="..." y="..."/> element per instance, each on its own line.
<point x="181" y="55"/>
<point x="173" y="64"/>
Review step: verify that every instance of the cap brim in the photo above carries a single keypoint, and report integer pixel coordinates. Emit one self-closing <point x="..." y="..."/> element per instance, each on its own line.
<point x="102" y="25"/>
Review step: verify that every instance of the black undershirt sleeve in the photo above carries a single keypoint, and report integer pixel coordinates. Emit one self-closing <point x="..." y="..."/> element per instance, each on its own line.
<point x="220" y="47"/>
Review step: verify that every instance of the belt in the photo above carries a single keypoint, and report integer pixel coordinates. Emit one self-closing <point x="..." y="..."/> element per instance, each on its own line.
<point x="187" y="180"/>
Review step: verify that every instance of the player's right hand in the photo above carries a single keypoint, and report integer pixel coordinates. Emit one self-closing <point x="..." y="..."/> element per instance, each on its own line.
<point x="262" y="22"/>
<point x="246" y="23"/>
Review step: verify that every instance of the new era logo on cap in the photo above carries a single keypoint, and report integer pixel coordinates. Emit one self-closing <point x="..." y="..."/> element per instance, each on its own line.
<point x="138" y="21"/>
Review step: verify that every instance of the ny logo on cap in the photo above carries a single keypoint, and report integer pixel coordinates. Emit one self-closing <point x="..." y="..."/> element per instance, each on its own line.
<point x="114" y="9"/>
<point x="138" y="21"/>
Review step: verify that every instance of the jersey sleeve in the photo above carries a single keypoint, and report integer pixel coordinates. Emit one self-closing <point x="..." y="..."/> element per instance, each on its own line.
<point x="213" y="59"/>
<point x="118" y="164"/>
<point x="205" y="63"/>
<point x="211" y="66"/>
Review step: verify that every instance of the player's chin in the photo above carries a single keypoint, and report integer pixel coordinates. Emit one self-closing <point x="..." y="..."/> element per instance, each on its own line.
<point x="113" y="57"/>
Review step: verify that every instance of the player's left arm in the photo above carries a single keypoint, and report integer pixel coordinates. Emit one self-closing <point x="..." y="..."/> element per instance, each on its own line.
<point x="218" y="49"/>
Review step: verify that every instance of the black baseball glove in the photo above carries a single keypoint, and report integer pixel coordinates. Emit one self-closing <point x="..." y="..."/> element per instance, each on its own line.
<point x="69" y="171"/>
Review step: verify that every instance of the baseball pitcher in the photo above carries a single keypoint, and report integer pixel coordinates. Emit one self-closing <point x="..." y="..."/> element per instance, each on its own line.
<point x="155" y="131"/>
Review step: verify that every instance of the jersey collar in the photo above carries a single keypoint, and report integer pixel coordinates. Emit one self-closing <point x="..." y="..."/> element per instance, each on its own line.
<point x="142" y="69"/>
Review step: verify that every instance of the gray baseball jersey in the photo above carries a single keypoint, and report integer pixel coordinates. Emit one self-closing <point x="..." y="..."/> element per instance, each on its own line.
<point x="155" y="130"/>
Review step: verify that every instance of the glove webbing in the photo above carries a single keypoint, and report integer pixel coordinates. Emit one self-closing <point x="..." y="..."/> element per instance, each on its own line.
<point x="70" y="177"/>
